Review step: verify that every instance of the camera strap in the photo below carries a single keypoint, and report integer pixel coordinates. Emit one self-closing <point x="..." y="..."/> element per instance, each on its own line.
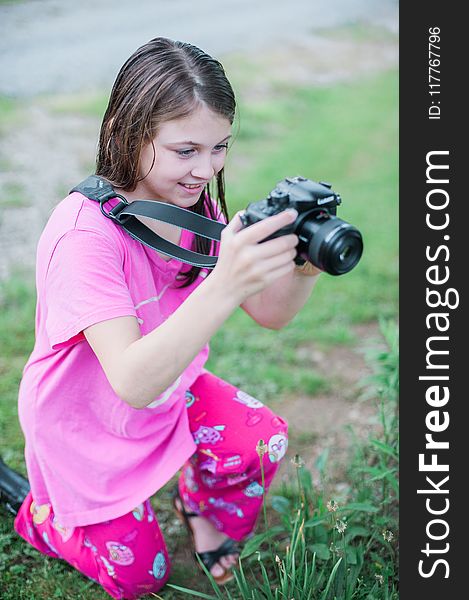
<point x="125" y="215"/>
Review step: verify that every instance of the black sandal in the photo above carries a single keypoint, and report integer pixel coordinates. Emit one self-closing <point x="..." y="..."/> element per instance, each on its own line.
<point x="13" y="488"/>
<point x="210" y="557"/>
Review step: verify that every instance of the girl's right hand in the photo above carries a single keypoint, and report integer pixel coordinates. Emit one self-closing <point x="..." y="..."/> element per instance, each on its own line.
<point x="245" y="266"/>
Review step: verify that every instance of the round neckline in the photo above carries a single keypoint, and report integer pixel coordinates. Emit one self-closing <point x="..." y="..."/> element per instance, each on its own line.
<point x="173" y="264"/>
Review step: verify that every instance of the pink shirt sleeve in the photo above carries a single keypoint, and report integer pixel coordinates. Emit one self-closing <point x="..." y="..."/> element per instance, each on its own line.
<point x="85" y="284"/>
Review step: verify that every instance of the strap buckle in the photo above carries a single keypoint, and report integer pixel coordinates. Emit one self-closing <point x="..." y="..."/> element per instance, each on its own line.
<point x="114" y="213"/>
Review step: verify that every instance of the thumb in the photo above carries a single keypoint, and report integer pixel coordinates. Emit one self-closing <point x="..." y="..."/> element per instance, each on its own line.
<point x="235" y="224"/>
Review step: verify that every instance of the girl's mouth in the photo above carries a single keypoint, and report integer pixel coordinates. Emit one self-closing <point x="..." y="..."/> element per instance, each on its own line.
<point x="192" y="188"/>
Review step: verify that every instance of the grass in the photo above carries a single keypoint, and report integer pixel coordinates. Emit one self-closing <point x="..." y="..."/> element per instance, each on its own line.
<point x="345" y="134"/>
<point x="90" y="104"/>
<point x="11" y="112"/>
<point x="14" y="195"/>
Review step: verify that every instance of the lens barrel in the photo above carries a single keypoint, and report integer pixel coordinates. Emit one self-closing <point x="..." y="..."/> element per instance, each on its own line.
<point x="330" y="243"/>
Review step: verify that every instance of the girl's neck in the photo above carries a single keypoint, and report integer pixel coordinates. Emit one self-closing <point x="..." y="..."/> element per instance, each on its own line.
<point x="137" y="194"/>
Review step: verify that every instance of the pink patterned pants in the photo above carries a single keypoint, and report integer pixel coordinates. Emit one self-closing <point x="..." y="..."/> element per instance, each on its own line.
<point x="222" y="481"/>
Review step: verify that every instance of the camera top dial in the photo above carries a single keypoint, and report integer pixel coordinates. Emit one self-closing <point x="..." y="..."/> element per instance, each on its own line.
<point x="305" y="194"/>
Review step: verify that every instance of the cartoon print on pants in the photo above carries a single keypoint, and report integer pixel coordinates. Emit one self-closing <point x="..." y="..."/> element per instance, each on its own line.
<point x="230" y="507"/>
<point x="208" y="435"/>
<point x="109" y="568"/>
<point x="278" y="445"/>
<point x="189" y="479"/>
<point x="48" y="542"/>
<point x="40" y="512"/>
<point x="159" y="566"/>
<point x="210" y="464"/>
<point x="129" y="537"/>
<point x="248" y="400"/>
<point x="254" y="490"/>
<point x="65" y="532"/>
<point x="190" y="399"/>
<point x="209" y="480"/>
<point x="150" y="512"/>
<point x="120" y="554"/>
<point x="138" y="512"/>
<point x="253" y="418"/>
<point x="235" y="478"/>
<point x="87" y="543"/>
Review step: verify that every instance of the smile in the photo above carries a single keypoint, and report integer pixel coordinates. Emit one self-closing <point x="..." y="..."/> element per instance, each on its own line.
<point x="192" y="186"/>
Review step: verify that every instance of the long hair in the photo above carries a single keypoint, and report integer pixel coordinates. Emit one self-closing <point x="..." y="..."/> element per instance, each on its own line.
<point x="163" y="80"/>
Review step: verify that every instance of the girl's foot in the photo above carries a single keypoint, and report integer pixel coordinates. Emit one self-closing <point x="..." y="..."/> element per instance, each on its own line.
<point x="207" y="538"/>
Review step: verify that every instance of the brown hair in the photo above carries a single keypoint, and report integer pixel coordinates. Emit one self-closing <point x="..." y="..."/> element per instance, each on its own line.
<point x="161" y="81"/>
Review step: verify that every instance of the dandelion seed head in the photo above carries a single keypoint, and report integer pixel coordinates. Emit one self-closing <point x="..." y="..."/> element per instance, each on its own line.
<point x="341" y="526"/>
<point x="388" y="535"/>
<point x="297" y="461"/>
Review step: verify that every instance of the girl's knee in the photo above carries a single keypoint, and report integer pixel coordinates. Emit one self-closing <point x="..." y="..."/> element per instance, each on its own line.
<point x="147" y="575"/>
<point x="130" y="553"/>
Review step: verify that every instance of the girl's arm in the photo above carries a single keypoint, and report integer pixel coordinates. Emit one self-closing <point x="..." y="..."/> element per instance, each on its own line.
<point x="140" y="368"/>
<point x="275" y="306"/>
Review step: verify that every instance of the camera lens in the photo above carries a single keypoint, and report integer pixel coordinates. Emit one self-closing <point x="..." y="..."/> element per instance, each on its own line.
<point x="330" y="243"/>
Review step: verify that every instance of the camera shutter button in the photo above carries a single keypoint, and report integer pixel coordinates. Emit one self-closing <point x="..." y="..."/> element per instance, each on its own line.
<point x="278" y="199"/>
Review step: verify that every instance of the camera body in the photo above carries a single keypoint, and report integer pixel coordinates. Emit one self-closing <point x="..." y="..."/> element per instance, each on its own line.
<point x="331" y="244"/>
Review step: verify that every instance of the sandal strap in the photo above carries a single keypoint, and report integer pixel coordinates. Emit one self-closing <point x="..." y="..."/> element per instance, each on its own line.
<point x="211" y="557"/>
<point x="182" y="508"/>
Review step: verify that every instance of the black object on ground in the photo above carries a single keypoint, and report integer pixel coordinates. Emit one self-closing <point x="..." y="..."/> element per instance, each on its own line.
<point x="13" y="488"/>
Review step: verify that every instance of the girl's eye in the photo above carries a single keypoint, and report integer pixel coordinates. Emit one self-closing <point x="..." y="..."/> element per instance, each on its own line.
<point x="220" y="147"/>
<point x="185" y="153"/>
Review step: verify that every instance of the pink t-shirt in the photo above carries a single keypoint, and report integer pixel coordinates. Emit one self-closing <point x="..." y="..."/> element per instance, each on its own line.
<point x="88" y="453"/>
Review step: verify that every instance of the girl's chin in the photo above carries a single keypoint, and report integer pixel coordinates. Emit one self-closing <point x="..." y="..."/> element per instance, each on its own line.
<point x="184" y="199"/>
<point x="179" y="197"/>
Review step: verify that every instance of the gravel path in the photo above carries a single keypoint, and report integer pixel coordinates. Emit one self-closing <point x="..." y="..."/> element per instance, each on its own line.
<point x="61" y="45"/>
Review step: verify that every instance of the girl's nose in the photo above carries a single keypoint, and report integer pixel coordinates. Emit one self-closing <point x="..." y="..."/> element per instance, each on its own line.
<point x="204" y="169"/>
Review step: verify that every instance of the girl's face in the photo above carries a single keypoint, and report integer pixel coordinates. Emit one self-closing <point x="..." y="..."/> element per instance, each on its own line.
<point x="187" y="153"/>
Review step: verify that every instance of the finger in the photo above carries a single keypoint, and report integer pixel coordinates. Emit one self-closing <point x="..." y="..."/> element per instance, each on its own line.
<point x="278" y="261"/>
<point x="263" y="229"/>
<point x="278" y="245"/>
<point x="235" y="224"/>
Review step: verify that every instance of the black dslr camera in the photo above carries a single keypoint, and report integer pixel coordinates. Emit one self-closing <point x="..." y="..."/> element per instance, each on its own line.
<point x="329" y="243"/>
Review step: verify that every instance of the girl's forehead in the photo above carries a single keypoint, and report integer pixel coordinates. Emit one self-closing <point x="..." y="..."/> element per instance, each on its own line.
<point x="202" y="125"/>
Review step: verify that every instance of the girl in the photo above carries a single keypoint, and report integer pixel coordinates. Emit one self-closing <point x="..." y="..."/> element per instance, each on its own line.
<point x="114" y="399"/>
